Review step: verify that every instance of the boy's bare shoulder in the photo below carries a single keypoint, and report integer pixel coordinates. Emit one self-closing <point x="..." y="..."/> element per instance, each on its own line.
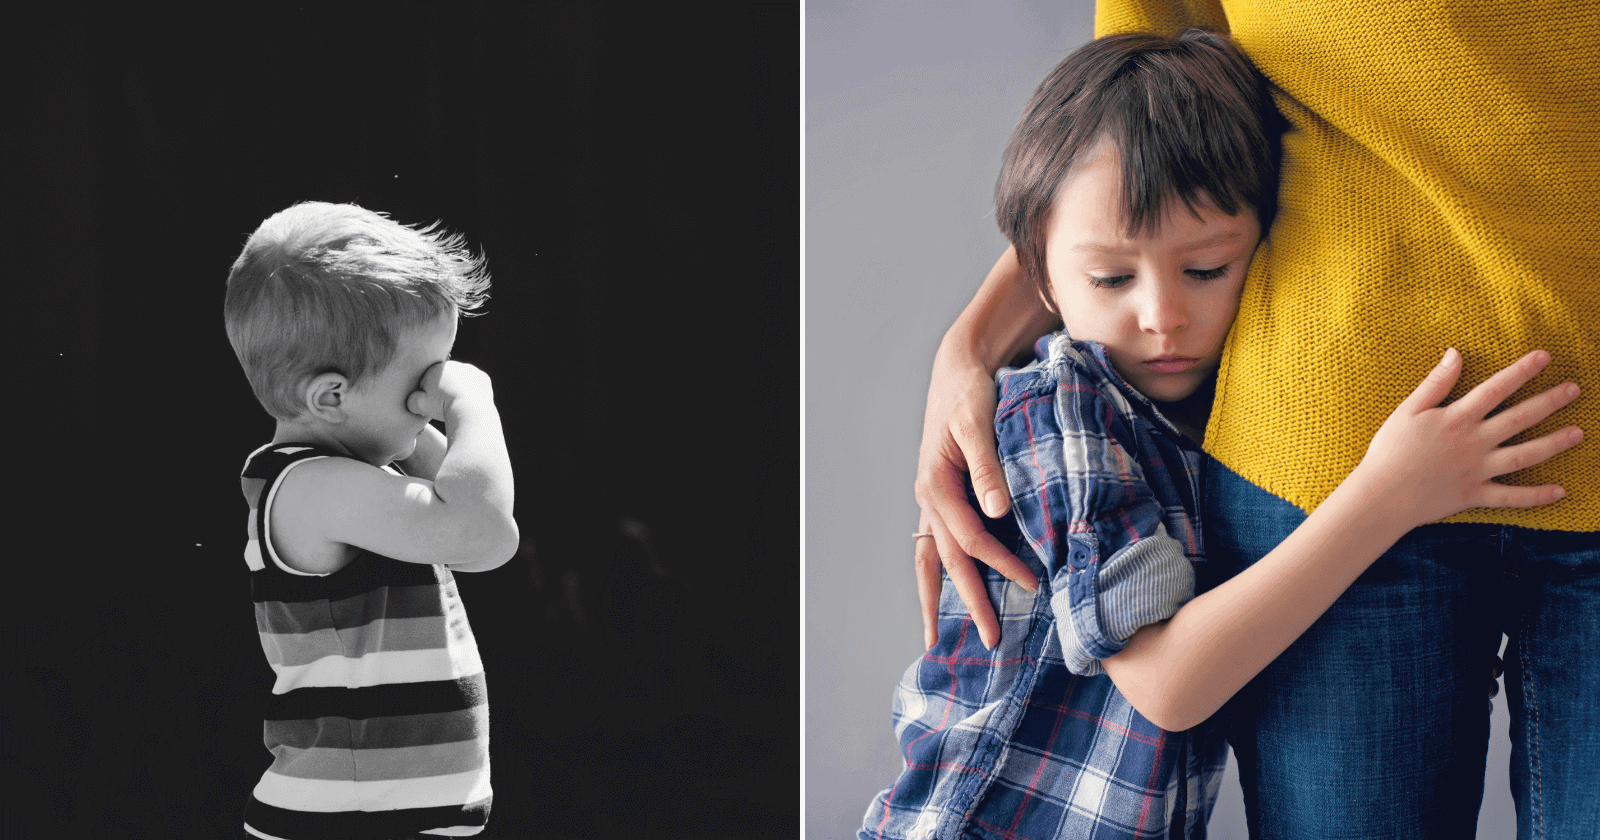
<point x="308" y="501"/>
<point x="327" y="510"/>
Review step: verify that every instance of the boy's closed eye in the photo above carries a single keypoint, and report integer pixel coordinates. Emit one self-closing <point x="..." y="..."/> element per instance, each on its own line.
<point x="1202" y="274"/>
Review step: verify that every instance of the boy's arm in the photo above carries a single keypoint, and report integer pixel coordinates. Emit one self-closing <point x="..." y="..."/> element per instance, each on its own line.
<point x="429" y="454"/>
<point x="958" y="437"/>
<point x="462" y="517"/>
<point x="1425" y="463"/>
<point x="424" y="462"/>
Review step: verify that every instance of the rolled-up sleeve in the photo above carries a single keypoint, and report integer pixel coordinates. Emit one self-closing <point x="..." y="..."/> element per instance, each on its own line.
<point x="1082" y="502"/>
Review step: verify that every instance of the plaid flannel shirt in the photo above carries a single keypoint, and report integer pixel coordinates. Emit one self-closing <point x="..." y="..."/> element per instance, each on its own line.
<point x="1032" y="739"/>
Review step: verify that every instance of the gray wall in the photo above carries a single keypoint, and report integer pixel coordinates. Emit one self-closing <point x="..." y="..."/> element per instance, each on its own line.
<point x="908" y="107"/>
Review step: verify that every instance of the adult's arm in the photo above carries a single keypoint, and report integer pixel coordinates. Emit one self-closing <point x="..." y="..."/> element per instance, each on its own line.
<point x="958" y="437"/>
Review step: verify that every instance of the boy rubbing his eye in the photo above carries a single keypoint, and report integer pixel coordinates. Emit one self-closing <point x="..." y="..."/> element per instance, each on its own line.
<point x="1134" y="192"/>
<point x="360" y="510"/>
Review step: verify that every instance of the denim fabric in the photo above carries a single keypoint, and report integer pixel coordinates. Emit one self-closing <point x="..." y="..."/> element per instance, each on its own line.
<point x="1375" y="723"/>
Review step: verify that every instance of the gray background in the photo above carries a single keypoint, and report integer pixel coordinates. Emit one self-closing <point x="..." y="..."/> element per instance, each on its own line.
<point x="908" y="107"/>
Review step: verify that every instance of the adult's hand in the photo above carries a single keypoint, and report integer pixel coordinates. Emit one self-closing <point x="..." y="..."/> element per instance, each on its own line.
<point x="957" y="439"/>
<point x="1003" y="318"/>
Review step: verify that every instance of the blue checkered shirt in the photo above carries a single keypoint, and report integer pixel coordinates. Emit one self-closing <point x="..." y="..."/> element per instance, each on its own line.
<point x="1032" y="739"/>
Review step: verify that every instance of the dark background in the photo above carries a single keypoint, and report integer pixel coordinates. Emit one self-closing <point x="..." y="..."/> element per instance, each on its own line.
<point x="632" y="175"/>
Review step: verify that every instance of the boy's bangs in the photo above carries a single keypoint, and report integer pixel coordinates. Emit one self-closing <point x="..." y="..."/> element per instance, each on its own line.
<point x="1191" y="119"/>
<point x="1185" y="134"/>
<point x="1156" y="182"/>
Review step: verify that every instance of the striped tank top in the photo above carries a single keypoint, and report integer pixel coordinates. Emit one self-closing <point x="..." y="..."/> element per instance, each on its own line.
<point x="378" y="720"/>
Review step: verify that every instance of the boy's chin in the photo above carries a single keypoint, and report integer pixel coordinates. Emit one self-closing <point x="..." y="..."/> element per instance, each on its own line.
<point x="1169" y="389"/>
<point x="381" y="458"/>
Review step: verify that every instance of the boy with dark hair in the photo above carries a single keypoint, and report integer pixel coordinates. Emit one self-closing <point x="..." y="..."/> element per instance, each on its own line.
<point x="360" y="510"/>
<point x="1135" y="190"/>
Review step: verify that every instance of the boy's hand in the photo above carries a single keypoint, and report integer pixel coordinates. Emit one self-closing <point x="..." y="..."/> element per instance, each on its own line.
<point x="443" y="384"/>
<point x="1428" y="461"/>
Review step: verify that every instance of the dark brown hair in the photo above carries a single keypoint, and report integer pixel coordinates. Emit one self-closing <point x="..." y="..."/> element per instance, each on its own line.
<point x="1190" y="118"/>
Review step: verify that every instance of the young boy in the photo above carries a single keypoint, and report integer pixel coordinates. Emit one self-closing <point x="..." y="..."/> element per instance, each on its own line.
<point x="1134" y="191"/>
<point x="359" y="512"/>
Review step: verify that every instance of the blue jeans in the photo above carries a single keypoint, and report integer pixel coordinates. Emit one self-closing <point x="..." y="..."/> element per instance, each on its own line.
<point x="1375" y="723"/>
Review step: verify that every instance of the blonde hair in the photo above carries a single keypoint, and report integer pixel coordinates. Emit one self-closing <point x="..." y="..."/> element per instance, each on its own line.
<point x="323" y="288"/>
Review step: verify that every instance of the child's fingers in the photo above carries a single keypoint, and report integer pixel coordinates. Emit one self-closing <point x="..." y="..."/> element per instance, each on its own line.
<point x="1436" y="385"/>
<point x="1492" y="391"/>
<point x="1509" y="459"/>
<point x="1497" y="495"/>
<point x="431" y="376"/>
<point x="417" y="403"/>
<point x="1525" y="414"/>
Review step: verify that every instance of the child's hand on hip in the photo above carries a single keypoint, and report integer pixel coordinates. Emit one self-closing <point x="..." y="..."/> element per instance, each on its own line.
<point x="1430" y="461"/>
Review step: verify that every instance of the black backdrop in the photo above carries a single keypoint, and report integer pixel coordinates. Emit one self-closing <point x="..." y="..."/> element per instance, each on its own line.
<point x="631" y="171"/>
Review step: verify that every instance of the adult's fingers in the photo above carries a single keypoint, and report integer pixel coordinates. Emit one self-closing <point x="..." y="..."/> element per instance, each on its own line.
<point x="977" y="445"/>
<point x="968" y="581"/>
<point x="1530" y="411"/>
<point x="1492" y="391"/>
<point x="959" y="530"/>
<point x="929" y="581"/>
<point x="968" y="533"/>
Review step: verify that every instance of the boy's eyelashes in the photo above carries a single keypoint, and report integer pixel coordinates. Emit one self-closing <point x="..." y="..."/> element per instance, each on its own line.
<point x="1115" y="281"/>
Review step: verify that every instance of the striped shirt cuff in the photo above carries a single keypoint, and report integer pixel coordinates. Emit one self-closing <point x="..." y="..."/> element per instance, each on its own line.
<point x="1143" y="583"/>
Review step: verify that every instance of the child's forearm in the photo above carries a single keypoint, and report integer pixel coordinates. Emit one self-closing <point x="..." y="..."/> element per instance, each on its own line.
<point x="1180" y="671"/>
<point x="425" y="459"/>
<point x="1003" y="317"/>
<point x="1425" y="463"/>
<point x="475" y="473"/>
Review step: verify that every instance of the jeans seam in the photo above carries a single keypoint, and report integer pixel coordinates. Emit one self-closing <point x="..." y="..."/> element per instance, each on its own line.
<point x="1536" y="789"/>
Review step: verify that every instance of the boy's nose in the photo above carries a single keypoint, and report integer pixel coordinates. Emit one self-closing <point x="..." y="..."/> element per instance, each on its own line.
<point x="1162" y="310"/>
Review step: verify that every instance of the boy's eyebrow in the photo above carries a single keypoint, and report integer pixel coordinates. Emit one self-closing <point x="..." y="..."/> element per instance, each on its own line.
<point x="1205" y="242"/>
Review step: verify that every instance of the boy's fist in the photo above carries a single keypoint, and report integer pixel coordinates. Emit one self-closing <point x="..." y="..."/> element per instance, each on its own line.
<point x="442" y="384"/>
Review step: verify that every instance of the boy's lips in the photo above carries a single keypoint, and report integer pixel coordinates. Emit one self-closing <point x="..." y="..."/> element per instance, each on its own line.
<point x="1171" y="364"/>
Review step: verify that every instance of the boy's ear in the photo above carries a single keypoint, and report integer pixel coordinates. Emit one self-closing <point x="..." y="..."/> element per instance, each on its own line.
<point x="325" y="395"/>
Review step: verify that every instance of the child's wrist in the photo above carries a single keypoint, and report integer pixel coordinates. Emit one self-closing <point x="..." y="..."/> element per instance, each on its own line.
<point x="468" y="406"/>
<point x="470" y="395"/>
<point x="1385" y="505"/>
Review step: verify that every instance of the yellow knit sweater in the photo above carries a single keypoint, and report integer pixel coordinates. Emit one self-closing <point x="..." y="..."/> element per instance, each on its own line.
<point x="1441" y="187"/>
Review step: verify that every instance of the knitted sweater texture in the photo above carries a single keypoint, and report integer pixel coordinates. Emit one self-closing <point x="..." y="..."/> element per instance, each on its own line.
<point x="1440" y="188"/>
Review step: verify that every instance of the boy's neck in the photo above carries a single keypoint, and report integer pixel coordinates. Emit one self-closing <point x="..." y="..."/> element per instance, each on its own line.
<point x="306" y="431"/>
<point x="1191" y="413"/>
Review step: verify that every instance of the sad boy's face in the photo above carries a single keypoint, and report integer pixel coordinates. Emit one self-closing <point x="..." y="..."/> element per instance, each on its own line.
<point x="1161" y="304"/>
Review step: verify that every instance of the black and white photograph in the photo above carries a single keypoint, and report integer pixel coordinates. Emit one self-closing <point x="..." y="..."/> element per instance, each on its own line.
<point x="628" y="177"/>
